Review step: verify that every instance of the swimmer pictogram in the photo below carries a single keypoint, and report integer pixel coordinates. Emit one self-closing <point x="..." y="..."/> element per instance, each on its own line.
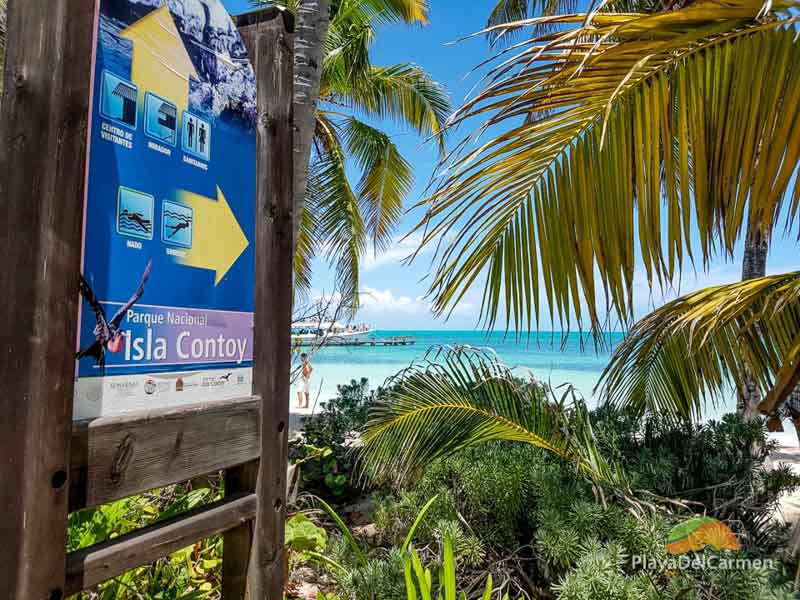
<point x="135" y="213"/>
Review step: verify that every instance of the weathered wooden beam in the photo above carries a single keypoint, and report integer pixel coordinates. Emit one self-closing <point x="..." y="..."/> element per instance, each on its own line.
<point x="239" y="540"/>
<point x="88" y="567"/>
<point x="43" y="126"/>
<point x="117" y="457"/>
<point x="248" y="22"/>
<point x="270" y="44"/>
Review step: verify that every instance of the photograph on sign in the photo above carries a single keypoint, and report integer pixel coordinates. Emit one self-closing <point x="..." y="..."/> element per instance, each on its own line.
<point x="167" y="283"/>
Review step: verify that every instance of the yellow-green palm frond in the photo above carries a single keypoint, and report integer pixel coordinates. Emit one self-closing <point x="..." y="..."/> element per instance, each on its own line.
<point x="405" y="94"/>
<point x="506" y="12"/>
<point x="343" y="220"/>
<point x="308" y="240"/>
<point x="611" y="140"/>
<point x="407" y="11"/>
<point x="692" y="350"/>
<point x="460" y="397"/>
<point x="341" y="228"/>
<point x="346" y="58"/>
<point x="385" y="182"/>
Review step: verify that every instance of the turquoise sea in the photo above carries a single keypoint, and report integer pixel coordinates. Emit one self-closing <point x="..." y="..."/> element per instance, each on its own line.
<point x="576" y="361"/>
<point x="548" y="357"/>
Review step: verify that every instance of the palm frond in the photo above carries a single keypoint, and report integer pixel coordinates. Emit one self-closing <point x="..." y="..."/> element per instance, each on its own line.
<point x="405" y="94"/>
<point x="692" y="351"/>
<point x="347" y="46"/>
<point x="509" y="12"/>
<point x="386" y="179"/>
<point x="341" y="225"/>
<point x="308" y="240"/>
<point x="406" y="11"/>
<point x="615" y="127"/>
<point x="460" y="397"/>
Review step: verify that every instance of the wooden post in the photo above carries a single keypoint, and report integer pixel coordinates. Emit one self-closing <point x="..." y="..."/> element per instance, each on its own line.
<point x="42" y="168"/>
<point x="269" y="42"/>
<point x="238" y="542"/>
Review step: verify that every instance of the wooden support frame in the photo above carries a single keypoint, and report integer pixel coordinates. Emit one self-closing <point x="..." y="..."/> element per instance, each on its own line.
<point x="42" y="157"/>
<point x="272" y="54"/>
<point x="117" y="457"/>
<point x="91" y="566"/>
<point x="51" y="466"/>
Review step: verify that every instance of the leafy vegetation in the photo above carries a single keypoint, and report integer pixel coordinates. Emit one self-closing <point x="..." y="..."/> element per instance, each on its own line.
<point x="542" y="526"/>
<point x="518" y="519"/>
<point x="193" y="573"/>
<point x="630" y="138"/>
<point x="725" y="330"/>
<point x="347" y="219"/>
<point x="461" y="397"/>
<point x="326" y="447"/>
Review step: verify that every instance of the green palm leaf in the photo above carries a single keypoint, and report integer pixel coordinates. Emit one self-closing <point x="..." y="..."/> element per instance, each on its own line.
<point x="334" y="218"/>
<point x="307" y="235"/>
<point x="623" y="127"/>
<point x="405" y="94"/>
<point x="500" y="26"/>
<point x="460" y="397"/>
<point x="689" y="352"/>
<point x="407" y="11"/>
<point x="386" y="179"/>
<point x="341" y="227"/>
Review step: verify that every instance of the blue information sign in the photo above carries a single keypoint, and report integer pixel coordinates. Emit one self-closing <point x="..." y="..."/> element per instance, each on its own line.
<point x="168" y="260"/>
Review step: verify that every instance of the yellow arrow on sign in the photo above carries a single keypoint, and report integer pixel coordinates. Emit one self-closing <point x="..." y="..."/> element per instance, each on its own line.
<point x="160" y="62"/>
<point x="217" y="239"/>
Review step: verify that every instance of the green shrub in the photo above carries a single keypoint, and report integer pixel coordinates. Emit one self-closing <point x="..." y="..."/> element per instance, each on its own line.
<point x="511" y="500"/>
<point x="719" y="464"/>
<point x="330" y="474"/>
<point x="381" y="578"/>
<point x="601" y="573"/>
<point x="193" y="572"/>
<point x="490" y="487"/>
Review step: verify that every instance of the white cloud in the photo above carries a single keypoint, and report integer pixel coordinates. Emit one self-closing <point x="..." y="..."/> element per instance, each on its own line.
<point x="374" y="301"/>
<point x="397" y="252"/>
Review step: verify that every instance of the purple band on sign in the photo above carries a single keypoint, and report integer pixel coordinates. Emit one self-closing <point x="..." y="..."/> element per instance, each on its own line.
<point x="163" y="338"/>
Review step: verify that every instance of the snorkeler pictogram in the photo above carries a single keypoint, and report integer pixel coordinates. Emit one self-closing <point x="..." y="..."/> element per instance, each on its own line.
<point x="177" y="224"/>
<point x="108" y="336"/>
<point x="176" y="228"/>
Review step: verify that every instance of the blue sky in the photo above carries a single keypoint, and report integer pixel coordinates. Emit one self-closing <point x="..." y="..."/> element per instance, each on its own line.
<point x="393" y="293"/>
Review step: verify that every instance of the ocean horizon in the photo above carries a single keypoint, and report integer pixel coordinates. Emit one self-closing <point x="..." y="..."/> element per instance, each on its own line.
<point x="551" y="357"/>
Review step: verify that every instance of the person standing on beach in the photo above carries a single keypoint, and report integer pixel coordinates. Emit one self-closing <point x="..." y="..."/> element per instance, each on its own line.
<point x="304" y="395"/>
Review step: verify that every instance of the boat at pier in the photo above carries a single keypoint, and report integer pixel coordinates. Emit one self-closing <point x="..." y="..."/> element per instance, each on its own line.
<point x="312" y="333"/>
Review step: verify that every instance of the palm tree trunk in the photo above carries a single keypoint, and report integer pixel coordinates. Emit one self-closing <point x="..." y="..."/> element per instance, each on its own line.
<point x="754" y="265"/>
<point x="313" y="19"/>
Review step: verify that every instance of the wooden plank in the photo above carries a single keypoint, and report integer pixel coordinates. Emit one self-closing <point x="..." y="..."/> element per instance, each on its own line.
<point x="117" y="457"/>
<point x="271" y="50"/>
<point x="88" y="567"/>
<point x="42" y="170"/>
<point x="238" y="541"/>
